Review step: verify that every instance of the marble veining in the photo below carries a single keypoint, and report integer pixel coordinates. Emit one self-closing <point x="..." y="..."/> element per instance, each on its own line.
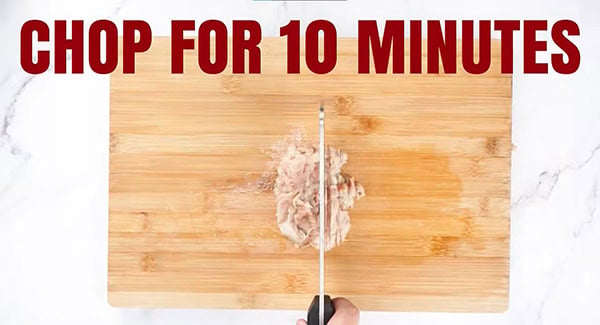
<point x="548" y="178"/>
<point x="11" y="155"/>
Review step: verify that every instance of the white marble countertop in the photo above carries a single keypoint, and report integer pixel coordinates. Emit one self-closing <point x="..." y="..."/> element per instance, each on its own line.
<point x="54" y="167"/>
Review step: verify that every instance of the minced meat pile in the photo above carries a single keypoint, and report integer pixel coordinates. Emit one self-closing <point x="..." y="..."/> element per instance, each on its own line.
<point x="296" y="191"/>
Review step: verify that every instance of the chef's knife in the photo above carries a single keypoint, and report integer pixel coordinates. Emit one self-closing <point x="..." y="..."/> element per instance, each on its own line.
<point x="321" y="309"/>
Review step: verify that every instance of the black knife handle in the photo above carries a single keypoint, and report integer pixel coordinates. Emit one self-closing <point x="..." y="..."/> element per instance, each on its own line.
<point x="313" y="310"/>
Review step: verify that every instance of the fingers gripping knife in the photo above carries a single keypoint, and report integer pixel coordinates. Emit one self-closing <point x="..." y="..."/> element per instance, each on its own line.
<point x="321" y="309"/>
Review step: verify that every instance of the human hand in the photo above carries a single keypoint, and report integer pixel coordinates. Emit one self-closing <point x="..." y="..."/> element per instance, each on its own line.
<point x="345" y="313"/>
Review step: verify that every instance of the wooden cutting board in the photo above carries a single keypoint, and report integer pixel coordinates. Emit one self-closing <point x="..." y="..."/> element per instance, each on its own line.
<point x="433" y="152"/>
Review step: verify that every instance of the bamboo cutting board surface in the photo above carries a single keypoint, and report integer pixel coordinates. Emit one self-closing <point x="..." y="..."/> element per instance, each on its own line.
<point x="432" y="151"/>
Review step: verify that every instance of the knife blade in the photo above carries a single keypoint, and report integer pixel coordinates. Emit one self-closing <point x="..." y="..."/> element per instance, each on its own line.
<point x="321" y="214"/>
<point x="321" y="309"/>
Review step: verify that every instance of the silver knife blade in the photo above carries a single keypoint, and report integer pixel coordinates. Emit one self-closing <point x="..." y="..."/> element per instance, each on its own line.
<point x="321" y="214"/>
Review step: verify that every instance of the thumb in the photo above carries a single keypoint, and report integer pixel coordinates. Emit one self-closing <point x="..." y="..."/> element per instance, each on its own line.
<point x="301" y="322"/>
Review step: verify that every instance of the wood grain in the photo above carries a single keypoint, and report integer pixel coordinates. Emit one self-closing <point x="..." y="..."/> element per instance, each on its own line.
<point x="189" y="228"/>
